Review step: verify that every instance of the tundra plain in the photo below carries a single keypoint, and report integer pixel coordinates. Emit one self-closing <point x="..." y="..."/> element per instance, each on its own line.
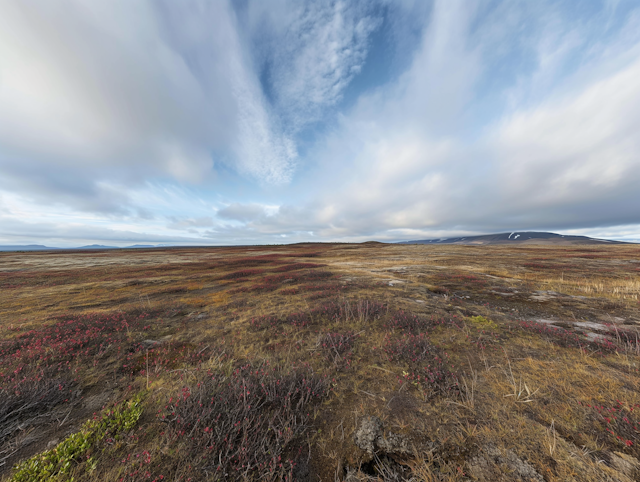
<point x="321" y="362"/>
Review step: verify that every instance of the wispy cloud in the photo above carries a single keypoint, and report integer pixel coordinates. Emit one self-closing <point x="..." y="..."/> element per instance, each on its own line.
<point x="224" y="121"/>
<point x="317" y="49"/>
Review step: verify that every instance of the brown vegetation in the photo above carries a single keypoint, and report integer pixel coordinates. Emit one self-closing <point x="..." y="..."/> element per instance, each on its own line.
<point x="321" y="362"/>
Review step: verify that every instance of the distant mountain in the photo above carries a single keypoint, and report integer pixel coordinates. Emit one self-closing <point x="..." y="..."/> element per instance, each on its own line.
<point x="97" y="246"/>
<point x="519" y="237"/>
<point x="40" y="247"/>
<point x="26" y="247"/>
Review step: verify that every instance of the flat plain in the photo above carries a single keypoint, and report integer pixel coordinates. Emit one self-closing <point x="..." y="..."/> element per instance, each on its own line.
<point x="321" y="362"/>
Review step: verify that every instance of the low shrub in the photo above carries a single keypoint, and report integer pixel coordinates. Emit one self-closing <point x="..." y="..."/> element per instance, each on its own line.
<point x="427" y="365"/>
<point x="163" y="357"/>
<point x="300" y="319"/>
<point x="234" y="275"/>
<point x="265" y="321"/>
<point x="297" y="266"/>
<point x="317" y="275"/>
<point x="617" y="425"/>
<point x="264" y="287"/>
<point x="337" y="348"/>
<point x="246" y="426"/>
<point x="320" y="295"/>
<point x="289" y="291"/>
<point x="252" y="261"/>
<point x="71" y="338"/>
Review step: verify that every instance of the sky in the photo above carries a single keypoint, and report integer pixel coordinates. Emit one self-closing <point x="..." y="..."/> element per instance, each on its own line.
<point x="279" y="121"/>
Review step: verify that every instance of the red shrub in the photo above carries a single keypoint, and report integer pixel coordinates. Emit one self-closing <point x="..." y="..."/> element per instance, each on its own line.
<point x="241" y="274"/>
<point x="337" y="348"/>
<point x="427" y="366"/>
<point x="296" y="266"/>
<point x="247" y="426"/>
<point x="289" y="291"/>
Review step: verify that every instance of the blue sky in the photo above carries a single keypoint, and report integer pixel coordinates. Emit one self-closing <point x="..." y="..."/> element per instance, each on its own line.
<point x="242" y="122"/>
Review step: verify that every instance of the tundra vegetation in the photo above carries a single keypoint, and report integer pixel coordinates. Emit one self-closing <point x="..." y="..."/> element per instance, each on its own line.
<point x="321" y="362"/>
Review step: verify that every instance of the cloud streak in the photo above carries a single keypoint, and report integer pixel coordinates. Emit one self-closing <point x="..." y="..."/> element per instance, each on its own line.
<point x="226" y="122"/>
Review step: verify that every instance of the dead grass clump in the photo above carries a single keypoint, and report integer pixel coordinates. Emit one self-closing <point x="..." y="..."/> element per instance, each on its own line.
<point x="248" y="425"/>
<point x="346" y="310"/>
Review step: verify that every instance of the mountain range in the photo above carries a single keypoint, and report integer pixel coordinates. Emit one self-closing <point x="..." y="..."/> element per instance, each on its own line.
<point x="40" y="247"/>
<point x="517" y="237"/>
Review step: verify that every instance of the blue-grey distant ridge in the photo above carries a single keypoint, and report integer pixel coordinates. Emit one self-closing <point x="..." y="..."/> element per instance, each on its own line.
<point x="516" y="237"/>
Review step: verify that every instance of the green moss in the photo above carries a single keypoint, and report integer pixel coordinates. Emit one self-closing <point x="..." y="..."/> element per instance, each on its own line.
<point x="483" y="322"/>
<point x="52" y="464"/>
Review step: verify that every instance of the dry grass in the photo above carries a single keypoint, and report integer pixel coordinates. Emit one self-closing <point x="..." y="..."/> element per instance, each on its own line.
<point x="495" y="363"/>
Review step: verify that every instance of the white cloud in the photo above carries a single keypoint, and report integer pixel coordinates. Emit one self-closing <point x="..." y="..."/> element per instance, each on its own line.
<point x="123" y="93"/>
<point x="577" y="147"/>
<point x="402" y="158"/>
<point x="509" y="116"/>
<point x="190" y="223"/>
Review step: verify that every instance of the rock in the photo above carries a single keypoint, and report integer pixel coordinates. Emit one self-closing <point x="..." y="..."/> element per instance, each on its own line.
<point x="370" y="438"/>
<point x="497" y="465"/>
<point x="149" y="343"/>
<point x="367" y="434"/>
<point x="394" y="444"/>
<point x="52" y="443"/>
